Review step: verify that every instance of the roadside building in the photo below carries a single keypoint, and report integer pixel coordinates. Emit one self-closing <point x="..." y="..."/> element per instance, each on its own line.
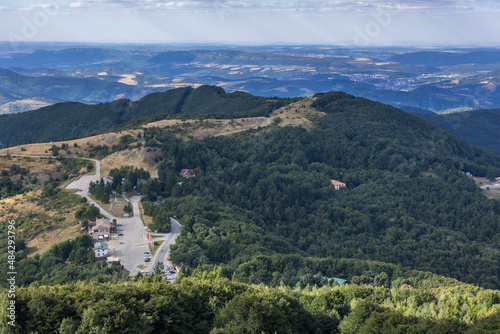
<point x="337" y="184"/>
<point x="102" y="229"/>
<point x="187" y="173"/>
<point x="100" y="251"/>
<point x="107" y="179"/>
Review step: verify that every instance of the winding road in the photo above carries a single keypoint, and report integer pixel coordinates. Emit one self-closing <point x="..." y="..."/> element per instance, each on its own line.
<point x="133" y="243"/>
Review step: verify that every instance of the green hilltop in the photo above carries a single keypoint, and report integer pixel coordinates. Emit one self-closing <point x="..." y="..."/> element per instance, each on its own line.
<point x="70" y="119"/>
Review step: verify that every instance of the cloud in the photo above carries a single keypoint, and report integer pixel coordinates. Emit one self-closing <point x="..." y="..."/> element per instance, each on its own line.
<point x="37" y="7"/>
<point x="285" y="6"/>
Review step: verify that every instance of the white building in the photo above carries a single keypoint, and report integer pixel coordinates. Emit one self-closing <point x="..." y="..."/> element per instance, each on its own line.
<point x="337" y="184"/>
<point x="101" y="250"/>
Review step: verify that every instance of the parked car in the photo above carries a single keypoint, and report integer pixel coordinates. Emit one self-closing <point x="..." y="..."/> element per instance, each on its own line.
<point x="120" y="234"/>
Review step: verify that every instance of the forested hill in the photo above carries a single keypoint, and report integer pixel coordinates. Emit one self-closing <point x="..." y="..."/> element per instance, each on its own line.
<point x="265" y="234"/>
<point x="70" y="119"/>
<point x="209" y="303"/>
<point x="478" y="127"/>
<point x="264" y="207"/>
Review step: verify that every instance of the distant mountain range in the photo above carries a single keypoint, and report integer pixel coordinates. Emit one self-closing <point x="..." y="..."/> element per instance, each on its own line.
<point x="433" y="80"/>
<point x="449" y="58"/>
<point x="57" y="88"/>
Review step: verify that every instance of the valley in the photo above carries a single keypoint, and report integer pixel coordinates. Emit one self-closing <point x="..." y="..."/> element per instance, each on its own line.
<point x="403" y="77"/>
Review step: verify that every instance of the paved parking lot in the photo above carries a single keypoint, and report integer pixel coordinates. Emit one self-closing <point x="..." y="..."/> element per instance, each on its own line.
<point x="130" y="247"/>
<point x="134" y="241"/>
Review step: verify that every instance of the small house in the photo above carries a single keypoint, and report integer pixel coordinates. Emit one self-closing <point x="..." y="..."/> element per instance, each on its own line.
<point x="103" y="225"/>
<point x="187" y="173"/>
<point x="102" y="229"/>
<point x="337" y="184"/>
<point x="107" y="179"/>
<point x="101" y="250"/>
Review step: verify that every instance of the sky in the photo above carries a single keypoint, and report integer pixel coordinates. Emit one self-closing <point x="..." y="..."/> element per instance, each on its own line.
<point x="338" y="22"/>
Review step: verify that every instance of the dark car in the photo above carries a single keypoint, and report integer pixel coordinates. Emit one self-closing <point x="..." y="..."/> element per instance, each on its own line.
<point x="147" y="259"/>
<point x="120" y="234"/>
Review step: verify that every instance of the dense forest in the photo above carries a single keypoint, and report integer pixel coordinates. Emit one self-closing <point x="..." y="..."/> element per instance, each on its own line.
<point x="206" y="302"/>
<point x="125" y="179"/>
<point x="407" y="202"/>
<point x="478" y="127"/>
<point x="70" y="119"/>
<point x="266" y="237"/>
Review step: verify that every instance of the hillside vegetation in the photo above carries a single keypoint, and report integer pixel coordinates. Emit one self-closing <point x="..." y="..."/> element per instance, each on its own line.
<point x="265" y="233"/>
<point x="69" y="119"/>
<point x="208" y="303"/>
<point x="477" y="127"/>
<point x="257" y="199"/>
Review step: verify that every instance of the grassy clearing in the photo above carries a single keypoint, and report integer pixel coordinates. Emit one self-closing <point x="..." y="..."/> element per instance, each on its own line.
<point x="157" y="245"/>
<point x="136" y="157"/>
<point x="210" y="127"/>
<point x="492" y="193"/>
<point x="43" y="242"/>
<point x="82" y="148"/>
<point x="114" y="208"/>
<point x="34" y="214"/>
<point x="142" y="266"/>
<point x="296" y="114"/>
<point x="147" y="220"/>
<point x="41" y="170"/>
<point x="430" y="174"/>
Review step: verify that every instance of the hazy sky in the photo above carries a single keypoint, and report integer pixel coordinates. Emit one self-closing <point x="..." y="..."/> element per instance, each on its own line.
<point x="422" y="22"/>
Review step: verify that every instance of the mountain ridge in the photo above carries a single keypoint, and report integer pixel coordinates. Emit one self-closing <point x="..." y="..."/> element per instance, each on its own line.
<point x="71" y="119"/>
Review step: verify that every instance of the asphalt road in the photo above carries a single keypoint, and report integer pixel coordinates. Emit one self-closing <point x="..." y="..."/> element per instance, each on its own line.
<point x="83" y="184"/>
<point x="492" y="186"/>
<point x="134" y="241"/>
<point x="163" y="250"/>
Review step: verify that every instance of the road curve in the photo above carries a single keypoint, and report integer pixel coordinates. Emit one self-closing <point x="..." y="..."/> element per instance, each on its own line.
<point x="83" y="185"/>
<point x="131" y="246"/>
